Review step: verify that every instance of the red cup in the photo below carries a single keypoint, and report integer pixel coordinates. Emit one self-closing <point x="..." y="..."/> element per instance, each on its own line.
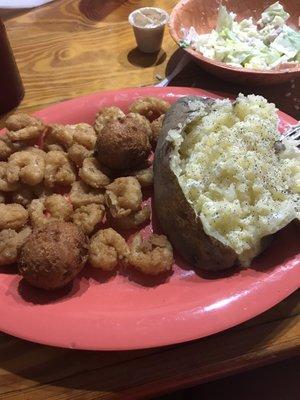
<point x="11" y="87"/>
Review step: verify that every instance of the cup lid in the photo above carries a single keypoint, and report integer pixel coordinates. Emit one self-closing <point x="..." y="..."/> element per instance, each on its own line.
<point x="148" y="17"/>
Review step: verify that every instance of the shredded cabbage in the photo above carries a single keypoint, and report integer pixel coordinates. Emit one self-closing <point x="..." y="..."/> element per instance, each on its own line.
<point x="264" y="44"/>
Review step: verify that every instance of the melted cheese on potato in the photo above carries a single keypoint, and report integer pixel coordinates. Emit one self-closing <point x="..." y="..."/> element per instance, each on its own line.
<point x="230" y="172"/>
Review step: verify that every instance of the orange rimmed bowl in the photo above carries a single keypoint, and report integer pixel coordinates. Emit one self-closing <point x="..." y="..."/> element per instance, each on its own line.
<point x="202" y="14"/>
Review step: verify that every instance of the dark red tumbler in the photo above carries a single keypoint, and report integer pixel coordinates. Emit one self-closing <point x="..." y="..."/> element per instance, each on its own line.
<point x="11" y="87"/>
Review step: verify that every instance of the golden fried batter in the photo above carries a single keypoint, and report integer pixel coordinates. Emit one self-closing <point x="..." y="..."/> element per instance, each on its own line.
<point x="133" y="220"/>
<point x="5" y="176"/>
<point x="93" y="174"/>
<point x="62" y="137"/>
<point x="77" y="153"/>
<point x="123" y="196"/>
<point x="150" y="107"/>
<point x="124" y="143"/>
<point x="152" y="256"/>
<point x="107" y="114"/>
<point x="59" y="170"/>
<point x="84" y="135"/>
<point x="50" y="208"/>
<point x="81" y="195"/>
<point x="28" y="166"/>
<point x="144" y="176"/>
<point x="58" y="137"/>
<point x="6" y="148"/>
<point x="87" y="217"/>
<point x="36" y="210"/>
<point x="23" y="127"/>
<point x="12" y="216"/>
<point x="107" y="249"/>
<point x="11" y="243"/>
<point x="58" y="207"/>
<point x="156" y="126"/>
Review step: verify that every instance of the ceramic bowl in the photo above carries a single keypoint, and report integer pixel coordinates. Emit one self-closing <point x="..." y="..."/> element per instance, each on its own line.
<point x="202" y="14"/>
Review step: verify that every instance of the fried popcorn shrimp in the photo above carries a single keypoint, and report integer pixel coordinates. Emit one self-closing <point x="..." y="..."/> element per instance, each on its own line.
<point x="123" y="196"/>
<point x="107" y="114"/>
<point x="124" y="143"/>
<point x="11" y="243"/>
<point x="23" y="127"/>
<point x="150" y="107"/>
<point x="6" y="148"/>
<point x="84" y="135"/>
<point x="54" y="147"/>
<point x="62" y="137"/>
<point x="144" y="176"/>
<point x="58" y="137"/>
<point x="12" y="216"/>
<point x="156" y="126"/>
<point x="78" y="153"/>
<point x="24" y="195"/>
<point x="5" y="176"/>
<point x="133" y="220"/>
<point x="107" y="249"/>
<point x="48" y="209"/>
<point x="28" y="166"/>
<point x="87" y="217"/>
<point x="58" y="207"/>
<point x="82" y="195"/>
<point x="36" y="211"/>
<point x="59" y="170"/>
<point x="93" y="174"/>
<point x="152" y="256"/>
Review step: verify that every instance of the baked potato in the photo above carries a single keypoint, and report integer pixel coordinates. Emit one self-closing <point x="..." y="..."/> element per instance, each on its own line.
<point x="221" y="187"/>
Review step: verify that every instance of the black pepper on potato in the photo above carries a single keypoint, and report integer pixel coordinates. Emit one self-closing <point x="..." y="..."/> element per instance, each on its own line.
<point x="221" y="189"/>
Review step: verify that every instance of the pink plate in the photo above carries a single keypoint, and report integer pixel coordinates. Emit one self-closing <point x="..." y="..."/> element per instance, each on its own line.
<point x="128" y="311"/>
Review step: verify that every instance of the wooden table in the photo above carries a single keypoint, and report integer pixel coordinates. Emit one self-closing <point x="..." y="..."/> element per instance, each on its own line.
<point x="69" y="48"/>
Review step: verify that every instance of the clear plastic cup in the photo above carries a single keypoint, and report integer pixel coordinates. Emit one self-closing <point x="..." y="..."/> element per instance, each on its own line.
<point x="148" y="26"/>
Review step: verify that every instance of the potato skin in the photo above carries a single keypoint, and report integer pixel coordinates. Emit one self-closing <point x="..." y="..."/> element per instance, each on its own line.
<point x="177" y="218"/>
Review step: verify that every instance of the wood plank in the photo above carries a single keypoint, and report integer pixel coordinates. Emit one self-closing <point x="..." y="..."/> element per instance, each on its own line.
<point x="32" y="367"/>
<point x="74" y="47"/>
<point x="171" y="368"/>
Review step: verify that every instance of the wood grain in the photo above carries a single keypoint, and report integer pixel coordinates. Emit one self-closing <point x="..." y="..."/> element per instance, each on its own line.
<point x="31" y="371"/>
<point x="70" y="48"/>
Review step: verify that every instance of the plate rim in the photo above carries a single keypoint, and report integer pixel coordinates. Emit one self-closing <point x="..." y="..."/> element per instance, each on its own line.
<point x="157" y="342"/>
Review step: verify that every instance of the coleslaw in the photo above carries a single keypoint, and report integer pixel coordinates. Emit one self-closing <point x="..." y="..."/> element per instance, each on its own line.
<point x="264" y="44"/>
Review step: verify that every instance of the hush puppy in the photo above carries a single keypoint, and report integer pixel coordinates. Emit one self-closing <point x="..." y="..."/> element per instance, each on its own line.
<point x="124" y="143"/>
<point x="53" y="255"/>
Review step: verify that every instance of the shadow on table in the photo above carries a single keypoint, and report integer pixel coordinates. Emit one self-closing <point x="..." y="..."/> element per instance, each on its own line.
<point x="7" y="14"/>
<point x="286" y="95"/>
<point x="96" y="10"/>
<point x="140" y="59"/>
<point x="113" y="372"/>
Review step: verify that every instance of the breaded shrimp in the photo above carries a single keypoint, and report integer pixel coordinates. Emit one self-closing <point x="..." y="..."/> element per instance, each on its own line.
<point x="107" y="249"/>
<point x="87" y="217"/>
<point x="12" y="216"/>
<point x="123" y="196"/>
<point x="152" y="256"/>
